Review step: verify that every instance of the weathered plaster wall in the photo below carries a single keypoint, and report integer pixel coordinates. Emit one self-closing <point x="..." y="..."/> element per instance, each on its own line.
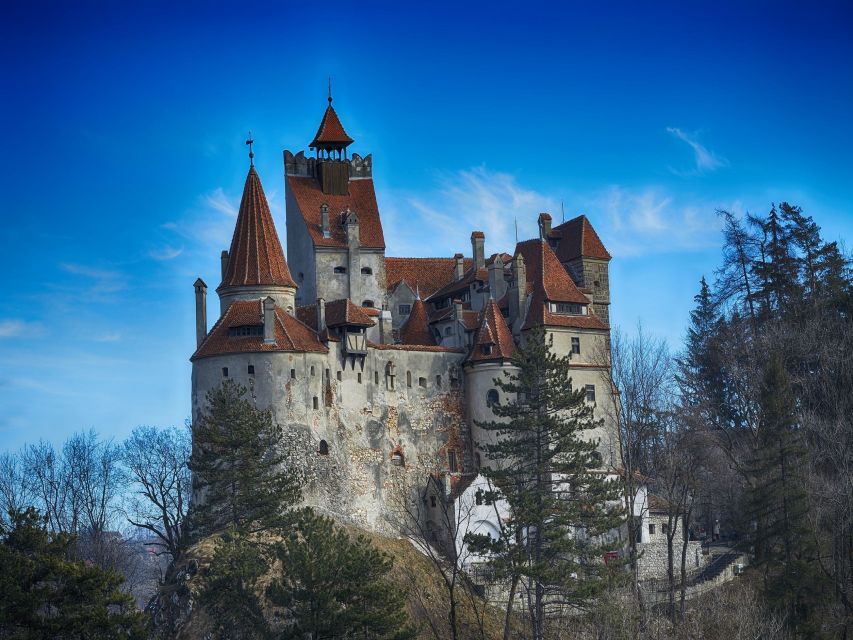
<point x="300" y="252"/>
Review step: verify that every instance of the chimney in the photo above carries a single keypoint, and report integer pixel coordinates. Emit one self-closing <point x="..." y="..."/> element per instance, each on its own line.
<point x="200" y="311"/>
<point x="351" y="227"/>
<point x="544" y="226"/>
<point x="324" y="220"/>
<point x="269" y="320"/>
<point x="321" y="315"/>
<point x="223" y="260"/>
<point x="386" y="334"/>
<point x="457" y="310"/>
<point x="460" y="266"/>
<point x="497" y="284"/>
<point x="478" y="248"/>
<point x="520" y="282"/>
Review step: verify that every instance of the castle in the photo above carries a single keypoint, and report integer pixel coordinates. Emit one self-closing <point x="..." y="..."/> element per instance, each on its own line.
<point x="379" y="368"/>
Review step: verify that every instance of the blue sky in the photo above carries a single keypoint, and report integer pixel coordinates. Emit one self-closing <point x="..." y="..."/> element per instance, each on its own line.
<point x="124" y="160"/>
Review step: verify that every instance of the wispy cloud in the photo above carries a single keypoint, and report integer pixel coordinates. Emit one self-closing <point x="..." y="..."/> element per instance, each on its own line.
<point x="102" y="281"/>
<point x="632" y="221"/>
<point x="113" y="336"/>
<point x="166" y="252"/>
<point x="705" y="159"/>
<point x="13" y="328"/>
<point x="218" y="201"/>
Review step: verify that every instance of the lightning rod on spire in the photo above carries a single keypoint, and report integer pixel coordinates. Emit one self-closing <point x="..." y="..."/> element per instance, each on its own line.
<point x="330" y="89"/>
<point x="250" y="142"/>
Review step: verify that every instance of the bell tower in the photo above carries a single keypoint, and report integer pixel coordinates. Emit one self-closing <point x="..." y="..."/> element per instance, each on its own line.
<point x="331" y="144"/>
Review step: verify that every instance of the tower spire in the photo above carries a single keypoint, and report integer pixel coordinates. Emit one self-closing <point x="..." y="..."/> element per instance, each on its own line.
<point x="250" y="142"/>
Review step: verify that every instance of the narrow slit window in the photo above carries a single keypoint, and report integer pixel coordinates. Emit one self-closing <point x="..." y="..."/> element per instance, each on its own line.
<point x="312" y="370"/>
<point x="408" y="378"/>
<point x="315" y="402"/>
<point x="359" y="378"/>
<point x="293" y="374"/>
<point x="375" y="377"/>
<point x="451" y="461"/>
<point x="340" y="375"/>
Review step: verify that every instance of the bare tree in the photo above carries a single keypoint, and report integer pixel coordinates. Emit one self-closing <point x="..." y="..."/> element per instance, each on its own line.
<point x="15" y="490"/>
<point x="155" y="463"/>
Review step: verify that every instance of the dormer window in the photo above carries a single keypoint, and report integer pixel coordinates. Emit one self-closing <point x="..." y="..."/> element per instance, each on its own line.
<point x="570" y="308"/>
<point x="366" y="271"/>
<point x="367" y="303"/>
<point x="486" y="349"/>
<point x="245" y="331"/>
<point x="340" y="269"/>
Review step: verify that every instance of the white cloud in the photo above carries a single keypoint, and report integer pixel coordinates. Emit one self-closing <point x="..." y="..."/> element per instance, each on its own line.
<point x="104" y="281"/>
<point x="166" y="252"/>
<point x="218" y="201"/>
<point x="705" y="159"/>
<point x="113" y="336"/>
<point x="631" y="221"/>
<point x="13" y="328"/>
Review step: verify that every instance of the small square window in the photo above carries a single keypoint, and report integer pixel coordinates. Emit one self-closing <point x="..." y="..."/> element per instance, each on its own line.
<point x="293" y="374"/>
<point x="422" y="382"/>
<point x="590" y="393"/>
<point x="224" y="372"/>
<point x="251" y="369"/>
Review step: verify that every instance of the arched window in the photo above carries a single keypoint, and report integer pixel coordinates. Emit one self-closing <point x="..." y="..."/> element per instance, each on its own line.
<point x="492" y="398"/>
<point x="366" y="271"/>
<point x="340" y="269"/>
<point x="367" y="303"/>
<point x="324" y="448"/>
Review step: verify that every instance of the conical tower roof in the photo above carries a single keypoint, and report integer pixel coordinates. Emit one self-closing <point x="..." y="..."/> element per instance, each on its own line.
<point x="416" y="328"/>
<point x="330" y="134"/>
<point x="493" y="340"/>
<point x="255" y="257"/>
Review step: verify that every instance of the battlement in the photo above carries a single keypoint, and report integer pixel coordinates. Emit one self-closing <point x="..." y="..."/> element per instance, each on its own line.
<point x="300" y="165"/>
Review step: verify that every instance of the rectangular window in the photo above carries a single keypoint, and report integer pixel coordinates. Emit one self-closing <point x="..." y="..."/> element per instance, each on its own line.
<point x="312" y="370"/>
<point x="375" y="377"/>
<point x="590" y="393"/>
<point x="340" y="375"/>
<point x="404" y="309"/>
<point x="359" y="378"/>
<point x="251" y="369"/>
<point x="570" y="308"/>
<point x="432" y="501"/>
<point x="224" y="372"/>
<point x="438" y="381"/>
<point x="293" y="374"/>
<point x="422" y="382"/>
<point x="651" y="529"/>
<point x="576" y="346"/>
<point x="451" y="461"/>
<point x="315" y="402"/>
<point x="478" y="497"/>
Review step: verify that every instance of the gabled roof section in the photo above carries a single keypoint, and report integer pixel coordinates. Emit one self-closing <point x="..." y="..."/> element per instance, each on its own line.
<point x="427" y="275"/>
<point x="255" y="257"/>
<point x="343" y="312"/>
<point x="330" y="133"/>
<point x="290" y="334"/>
<point x="415" y="329"/>
<point x="361" y="199"/>
<point x="578" y="239"/>
<point x="493" y="340"/>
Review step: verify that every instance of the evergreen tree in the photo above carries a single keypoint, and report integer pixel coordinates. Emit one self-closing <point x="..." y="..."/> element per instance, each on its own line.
<point x="43" y="594"/>
<point x="230" y="594"/>
<point x="239" y="465"/>
<point x="561" y="504"/>
<point x="336" y="586"/>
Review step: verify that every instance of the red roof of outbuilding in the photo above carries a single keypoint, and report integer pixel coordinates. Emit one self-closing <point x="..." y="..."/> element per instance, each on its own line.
<point x="290" y="334"/>
<point x="330" y="132"/>
<point x="343" y="312"/>
<point x="361" y="199"/>
<point x="425" y="274"/>
<point x="495" y="332"/>
<point x="416" y="328"/>
<point x="255" y="257"/>
<point x="578" y="238"/>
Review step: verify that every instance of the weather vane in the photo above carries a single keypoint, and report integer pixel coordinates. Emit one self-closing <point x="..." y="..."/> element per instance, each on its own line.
<point x="250" y="142"/>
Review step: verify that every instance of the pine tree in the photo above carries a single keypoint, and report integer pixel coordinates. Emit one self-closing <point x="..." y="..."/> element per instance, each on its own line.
<point x="561" y="503"/>
<point x="239" y="465"/>
<point x="334" y="585"/>
<point x="43" y="594"/>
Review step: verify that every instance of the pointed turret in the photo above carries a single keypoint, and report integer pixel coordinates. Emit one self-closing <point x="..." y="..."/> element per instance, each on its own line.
<point x="493" y="340"/>
<point x="330" y="134"/>
<point x="416" y="328"/>
<point x="255" y="266"/>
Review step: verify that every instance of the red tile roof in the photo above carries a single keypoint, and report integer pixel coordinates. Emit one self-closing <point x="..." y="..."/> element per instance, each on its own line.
<point x="290" y="334"/>
<point x="551" y="283"/>
<point x="427" y="275"/>
<point x="343" y="312"/>
<point x="361" y="199"/>
<point x="493" y="332"/>
<point x="413" y="347"/>
<point x="331" y="132"/>
<point x="416" y="328"/>
<point x="578" y="238"/>
<point x="255" y="257"/>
